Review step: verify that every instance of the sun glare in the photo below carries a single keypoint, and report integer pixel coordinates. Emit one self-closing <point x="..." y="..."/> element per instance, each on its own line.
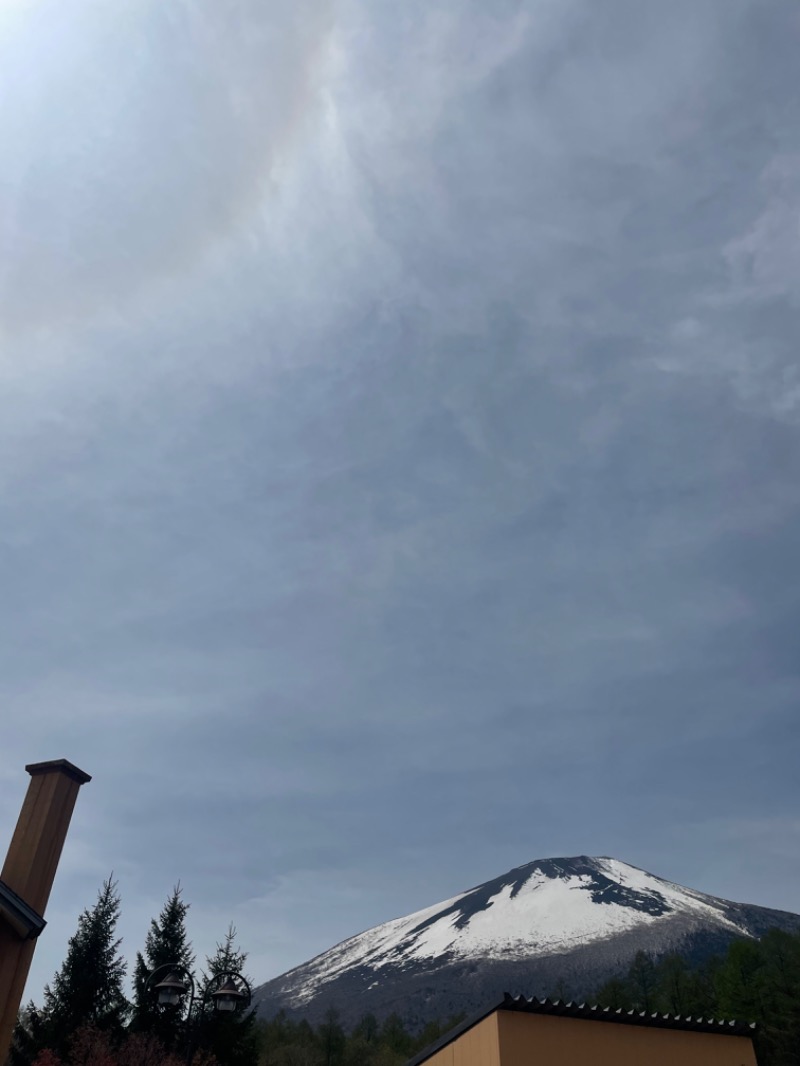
<point x="11" y="11"/>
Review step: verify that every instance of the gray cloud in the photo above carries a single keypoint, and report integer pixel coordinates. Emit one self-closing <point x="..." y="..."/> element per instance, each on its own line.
<point x="169" y="125"/>
<point x="399" y="451"/>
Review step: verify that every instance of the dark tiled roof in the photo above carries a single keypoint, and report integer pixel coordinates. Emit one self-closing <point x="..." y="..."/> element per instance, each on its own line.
<point x="625" y="1017"/>
<point x="591" y="1013"/>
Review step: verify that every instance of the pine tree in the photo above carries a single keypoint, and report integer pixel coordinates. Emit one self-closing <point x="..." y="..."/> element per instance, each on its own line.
<point x="88" y="987"/>
<point x="780" y="1030"/>
<point x="227" y="958"/>
<point x="167" y="942"/>
<point x="28" y="1036"/>
<point x="232" y="1038"/>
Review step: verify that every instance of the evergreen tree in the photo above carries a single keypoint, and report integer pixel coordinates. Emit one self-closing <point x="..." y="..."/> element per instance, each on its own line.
<point x="703" y="998"/>
<point x="614" y="994"/>
<point x="368" y="1028"/>
<point x="675" y="985"/>
<point x="332" y="1039"/>
<point x="227" y="958"/>
<point x="395" y="1037"/>
<point x="740" y="982"/>
<point x="275" y="1033"/>
<point x="294" y="1055"/>
<point x="28" y="1036"/>
<point x="358" y="1051"/>
<point x="755" y="981"/>
<point x="167" y="942"/>
<point x="643" y="982"/>
<point x="88" y="987"/>
<point x="287" y="1043"/>
<point x="780" y="1030"/>
<point x="232" y="1038"/>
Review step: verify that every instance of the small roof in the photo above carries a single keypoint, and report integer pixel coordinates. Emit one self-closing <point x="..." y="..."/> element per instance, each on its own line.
<point x="23" y="918"/>
<point x="591" y="1012"/>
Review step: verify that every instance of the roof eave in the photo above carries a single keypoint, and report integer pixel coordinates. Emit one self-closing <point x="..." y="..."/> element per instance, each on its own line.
<point x="19" y="915"/>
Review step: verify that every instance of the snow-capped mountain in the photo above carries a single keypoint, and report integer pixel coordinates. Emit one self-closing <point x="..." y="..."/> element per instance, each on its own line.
<point x="553" y="923"/>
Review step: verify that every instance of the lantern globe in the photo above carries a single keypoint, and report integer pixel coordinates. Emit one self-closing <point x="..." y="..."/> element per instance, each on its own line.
<point x="227" y="997"/>
<point x="171" y="990"/>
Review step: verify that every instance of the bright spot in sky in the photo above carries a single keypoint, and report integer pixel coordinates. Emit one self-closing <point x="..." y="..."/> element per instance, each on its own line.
<point x="11" y="10"/>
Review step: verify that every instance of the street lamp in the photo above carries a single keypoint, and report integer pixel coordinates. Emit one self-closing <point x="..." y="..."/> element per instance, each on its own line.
<point x="171" y="990"/>
<point x="229" y="996"/>
<point x="227" y="990"/>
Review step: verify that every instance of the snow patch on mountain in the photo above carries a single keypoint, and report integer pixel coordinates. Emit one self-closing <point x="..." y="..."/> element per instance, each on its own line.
<point x="547" y="907"/>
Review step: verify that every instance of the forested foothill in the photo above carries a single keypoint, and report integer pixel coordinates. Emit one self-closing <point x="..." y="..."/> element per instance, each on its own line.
<point x="86" y="1018"/>
<point x="753" y="981"/>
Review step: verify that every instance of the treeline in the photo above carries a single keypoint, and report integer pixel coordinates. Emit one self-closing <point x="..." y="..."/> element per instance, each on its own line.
<point x="754" y="981"/>
<point x="86" y="1019"/>
<point x="289" y="1043"/>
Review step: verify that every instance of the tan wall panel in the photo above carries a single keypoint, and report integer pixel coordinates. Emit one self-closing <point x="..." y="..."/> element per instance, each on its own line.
<point x="529" y="1039"/>
<point x="477" y="1047"/>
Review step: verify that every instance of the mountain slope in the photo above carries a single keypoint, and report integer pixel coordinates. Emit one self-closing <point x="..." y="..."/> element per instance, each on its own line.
<point x="573" y="921"/>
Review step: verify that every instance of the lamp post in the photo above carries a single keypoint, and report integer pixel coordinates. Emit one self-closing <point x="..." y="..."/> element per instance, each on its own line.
<point x="227" y="990"/>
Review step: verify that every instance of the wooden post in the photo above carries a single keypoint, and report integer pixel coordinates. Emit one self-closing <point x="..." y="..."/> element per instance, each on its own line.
<point x="29" y="871"/>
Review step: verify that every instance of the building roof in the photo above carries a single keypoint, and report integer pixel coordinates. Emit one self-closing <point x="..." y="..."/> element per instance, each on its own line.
<point x="19" y="915"/>
<point x="591" y="1013"/>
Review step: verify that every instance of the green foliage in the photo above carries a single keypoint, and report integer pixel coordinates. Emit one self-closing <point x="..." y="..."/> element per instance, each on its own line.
<point x="675" y="985"/>
<point x="232" y="1039"/>
<point x="27" y="1038"/>
<point x="167" y="941"/>
<point x="643" y="982"/>
<point x="227" y="958"/>
<point x="614" y="994"/>
<point x="394" y="1036"/>
<point x="284" y="1042"/>
<point x="332" y="1039"/>
<point x="777" y="980"/>
<point x="755" y="981"/>
<point x="82" y="1021"/>
<point x="739" y="984"/>
<point x="88" y="988"/>
<point x="367" y="1029"/>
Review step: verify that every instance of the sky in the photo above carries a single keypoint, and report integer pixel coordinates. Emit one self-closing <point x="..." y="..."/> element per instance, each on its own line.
<point x="399" y="451"/>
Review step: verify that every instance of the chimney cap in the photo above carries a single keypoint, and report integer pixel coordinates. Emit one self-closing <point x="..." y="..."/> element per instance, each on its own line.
<point x="59" y="766"/>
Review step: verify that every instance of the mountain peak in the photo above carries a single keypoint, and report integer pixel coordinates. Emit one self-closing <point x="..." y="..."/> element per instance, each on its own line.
<point x="572" y="918"/>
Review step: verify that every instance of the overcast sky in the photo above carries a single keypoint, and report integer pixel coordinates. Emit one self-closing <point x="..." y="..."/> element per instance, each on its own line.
<point x="399" y="450"/>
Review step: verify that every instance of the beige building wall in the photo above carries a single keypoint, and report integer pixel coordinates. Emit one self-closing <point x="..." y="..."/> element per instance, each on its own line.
<point x="528" y="1039"/>
<point x="477" y="1047"/>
